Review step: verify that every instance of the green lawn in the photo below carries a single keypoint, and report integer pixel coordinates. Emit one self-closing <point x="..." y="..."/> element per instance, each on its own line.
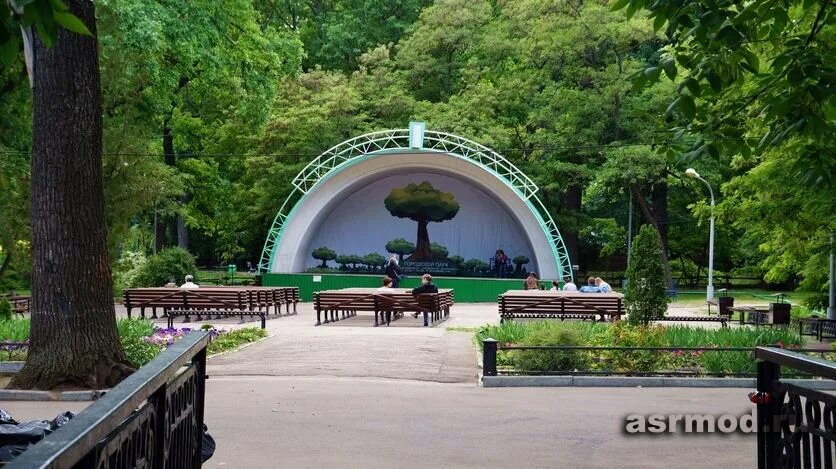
<point x="692" y="298"/>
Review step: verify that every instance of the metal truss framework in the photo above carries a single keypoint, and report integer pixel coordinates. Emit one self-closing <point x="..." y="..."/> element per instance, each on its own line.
<point x="351" y="151"/>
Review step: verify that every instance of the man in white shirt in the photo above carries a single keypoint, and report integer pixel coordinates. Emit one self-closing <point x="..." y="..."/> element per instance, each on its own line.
<point x="189" y="283"/>
<point x="568" y="285"/>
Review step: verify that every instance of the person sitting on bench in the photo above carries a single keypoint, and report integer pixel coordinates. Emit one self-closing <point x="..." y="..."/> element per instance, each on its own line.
<point x="426" y="287"/>
<point x="387" y="285"/>
<point x="590" y="286"/>
<point x="604" y="286"/>
<point x="189" y="283"/>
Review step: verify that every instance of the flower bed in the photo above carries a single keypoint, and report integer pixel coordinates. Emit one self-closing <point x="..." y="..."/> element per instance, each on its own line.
<point x="673" y="362"/>
<point x="141" y="339"/>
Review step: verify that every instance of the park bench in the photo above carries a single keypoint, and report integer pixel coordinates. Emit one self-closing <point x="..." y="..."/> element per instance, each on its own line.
<point x="20" y="304"/>
<point x="217" y="302"/>
<point x="534" y="304"/>
<point x="817" y="327"/>
<point x="334" y="305"/>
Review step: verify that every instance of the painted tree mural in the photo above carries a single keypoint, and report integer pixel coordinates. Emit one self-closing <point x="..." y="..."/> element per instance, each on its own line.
<point x="400" y="247"/>
<point x="422" y="203"/>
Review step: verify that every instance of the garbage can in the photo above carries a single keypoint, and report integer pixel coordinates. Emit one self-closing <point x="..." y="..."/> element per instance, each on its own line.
<point x="230" y="272"/>
<point x="780" y="311"/>
<point x="724" y="302"/>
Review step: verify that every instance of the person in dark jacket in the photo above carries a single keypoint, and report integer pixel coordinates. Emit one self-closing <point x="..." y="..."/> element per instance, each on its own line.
<point x="393" y="271"/>
<point x="426" y="287"/>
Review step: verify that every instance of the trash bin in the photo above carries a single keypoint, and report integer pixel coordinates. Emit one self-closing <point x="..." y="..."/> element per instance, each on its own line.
<point x="780" y="312"/>
<point x="724" y="302"/>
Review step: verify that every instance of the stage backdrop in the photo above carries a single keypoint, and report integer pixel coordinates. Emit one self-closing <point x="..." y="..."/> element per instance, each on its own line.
<point x="436" y="223"/>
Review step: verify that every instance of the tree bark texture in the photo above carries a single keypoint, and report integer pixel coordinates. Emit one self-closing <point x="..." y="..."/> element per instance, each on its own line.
<point x="574" y="203"/>
<point x="651" y="218"/>
<point x="73" y="334"/>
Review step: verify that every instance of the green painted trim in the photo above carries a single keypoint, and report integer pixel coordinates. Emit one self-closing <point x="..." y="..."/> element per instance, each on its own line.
<point x="467" y="290"/>
<point x="559" y="253"/>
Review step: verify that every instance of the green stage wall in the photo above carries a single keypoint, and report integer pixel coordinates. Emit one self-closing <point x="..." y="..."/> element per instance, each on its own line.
<point x="467" y="290"/>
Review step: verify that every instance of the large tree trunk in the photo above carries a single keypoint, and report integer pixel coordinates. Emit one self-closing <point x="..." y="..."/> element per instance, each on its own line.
<point x="422" y="244"/>
<point x="73" y="333"/>
<point x="660" y="211"/>
<point x="649" y="216"/>
<point x="574" y="203"/>
<point x="182" y="230"/>
<point x="164" y="224"/>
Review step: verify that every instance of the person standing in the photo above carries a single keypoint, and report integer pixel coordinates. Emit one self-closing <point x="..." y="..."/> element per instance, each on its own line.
<point x="393" y="271"/>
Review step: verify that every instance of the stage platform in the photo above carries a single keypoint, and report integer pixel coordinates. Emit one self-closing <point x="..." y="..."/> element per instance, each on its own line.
<point x="467" y="290"/>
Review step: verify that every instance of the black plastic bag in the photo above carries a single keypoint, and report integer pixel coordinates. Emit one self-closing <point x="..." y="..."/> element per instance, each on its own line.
<point x="16" y="437"/>
<point x="208" y="445"/>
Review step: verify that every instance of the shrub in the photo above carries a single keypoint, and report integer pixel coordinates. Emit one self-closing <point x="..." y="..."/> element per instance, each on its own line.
<point x="551" y="360"/>
<point x="626" y="335"/>
<point x="817" y="301"/>
<point x="170" y="263"/>
<point x="5" y="310"/>
<point x="645" y="296"/>
<point x="127" y="269"/>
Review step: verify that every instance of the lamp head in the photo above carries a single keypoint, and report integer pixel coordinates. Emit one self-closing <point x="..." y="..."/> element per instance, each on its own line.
<point x="692" y="173"/>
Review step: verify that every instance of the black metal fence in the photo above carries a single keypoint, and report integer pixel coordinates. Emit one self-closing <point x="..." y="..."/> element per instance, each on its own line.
<point x="796" y="425"/>
<point x="725" y="361"/>
<point x="153" y="419"/>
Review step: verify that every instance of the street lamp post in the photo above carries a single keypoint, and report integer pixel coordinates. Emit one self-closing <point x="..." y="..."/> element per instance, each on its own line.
<point x="709" y="291"/>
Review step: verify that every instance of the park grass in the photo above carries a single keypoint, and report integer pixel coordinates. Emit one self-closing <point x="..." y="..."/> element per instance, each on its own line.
<point x="231" y="340"/>
<point x="754" y="297"/>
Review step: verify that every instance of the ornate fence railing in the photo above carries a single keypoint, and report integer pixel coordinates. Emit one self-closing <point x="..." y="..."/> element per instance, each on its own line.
<point x="796" y="425"/>
<point x="154" y="419"/>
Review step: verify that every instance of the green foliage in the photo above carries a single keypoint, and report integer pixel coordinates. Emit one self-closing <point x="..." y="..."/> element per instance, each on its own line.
<point x="45" y="16"/>
<point x="623" y="335"/>
<point x="324" y="254"/>
<point x="169" y="264"/>
<point x="551" y="360"/>
<point x="422" y="203"/>
<point x="817" y="302"/>
<point x="439" y="250"/>
<point x="14" y="330"/>
<point x="128" y="269"/>
<point x="5" y="310"/>
<point x="374" y="260"/>
<point x="626" y="335"/>
<point x="645" y="297"/>
<point x="233" y="339"/>
<point x="456" y="260"/>
<point x="132" y="334"/>
<point x="400" y="246"/>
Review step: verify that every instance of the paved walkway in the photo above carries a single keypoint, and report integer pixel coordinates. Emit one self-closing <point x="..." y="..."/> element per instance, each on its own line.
<point x="354" y="348"/>
<point x="348" y="395"/>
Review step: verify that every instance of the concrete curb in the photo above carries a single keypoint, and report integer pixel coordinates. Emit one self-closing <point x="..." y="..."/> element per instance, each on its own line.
<point x="640" y="381"/>
<point x="28" y="395"/>
<point x="240" y="347"/>
<point x="10" y="368"/>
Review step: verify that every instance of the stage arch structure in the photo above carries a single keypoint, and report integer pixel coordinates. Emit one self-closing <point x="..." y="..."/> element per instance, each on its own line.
<point x="338" y="188"/>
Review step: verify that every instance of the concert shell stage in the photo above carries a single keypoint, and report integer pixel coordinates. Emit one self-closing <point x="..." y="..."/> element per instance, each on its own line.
<point x="362" y="194"/>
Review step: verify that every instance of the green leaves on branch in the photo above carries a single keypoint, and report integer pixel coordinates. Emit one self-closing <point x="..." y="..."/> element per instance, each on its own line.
<point x="45" y="16"/>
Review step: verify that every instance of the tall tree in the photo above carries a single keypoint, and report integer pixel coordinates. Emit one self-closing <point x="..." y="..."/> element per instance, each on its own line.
<point x="73" y="333"/>
<point x="422" y="203"/>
